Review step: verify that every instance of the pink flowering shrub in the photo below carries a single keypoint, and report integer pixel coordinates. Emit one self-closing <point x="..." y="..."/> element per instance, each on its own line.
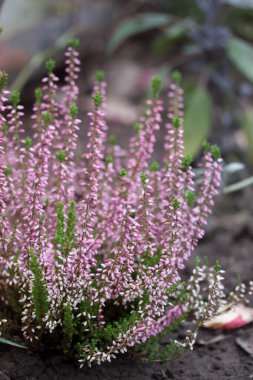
<point x="92" y="246"/>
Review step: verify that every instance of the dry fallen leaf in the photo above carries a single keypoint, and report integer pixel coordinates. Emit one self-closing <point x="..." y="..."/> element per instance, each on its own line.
<point x="215" y="339"/>
<point x="234" y="318"/>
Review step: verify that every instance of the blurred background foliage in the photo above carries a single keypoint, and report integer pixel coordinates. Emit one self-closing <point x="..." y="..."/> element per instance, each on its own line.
<point x="209" y="41"/>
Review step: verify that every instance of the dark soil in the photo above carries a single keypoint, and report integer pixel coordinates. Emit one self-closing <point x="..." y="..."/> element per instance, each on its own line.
<point x="229" y="239"/>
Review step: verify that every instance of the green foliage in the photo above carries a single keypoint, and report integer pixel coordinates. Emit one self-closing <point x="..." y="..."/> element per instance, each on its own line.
<point x="206" y="145"/>
<point x="186" y="162"/>
<point x="73" y="110"/>
<point x="100" y="76"/>
<point x="15" y="98"/>
<point x="123" y="173"/>
<point x="74" y="42"/>
<point x="217" y="266"/>
<point x="150" y="261"/>
<point x="7" y="171"/>
<point x="70" y="228"/>
<point x="215" y="151"/>
<point x="241" y="54"/>
<point x="197" y="261"/>
<point x="154" y="349"/>
<point x="246" y="123"/>
<point x="176" y="203"/>
<point x="47" y="117"/>
<point x="39" y="292"/>
<point x="59" y="238"/>
<point x="112" y="140"/>
<point x="38" y="95"/>
<point x="28" y="142"/>
<point x="97" y="99"/>
<point x="5" y="127"/>
<point x="176" y="77"/>
<point x="143" y="178"/>
<point x="137" y="127"/>
<point x="176" y="122"/>
<point x="154" y="166"/>
<point x="197" y="120"/>
<point x="3" y="80"/>
<point x="112" y="330"/>
<point x="108" y="159"/>
<point x="67" y="328"/>
<point x="156" y="84"/>
<point x="61" y="155"/>
<point x="139" y="23"/>
<point x="190" y="198"/>
<point x="50" y="65"/>
<point x="65" y="237"/>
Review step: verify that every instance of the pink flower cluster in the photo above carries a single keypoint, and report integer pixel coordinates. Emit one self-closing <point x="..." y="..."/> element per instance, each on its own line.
<point x="97" y="241"/>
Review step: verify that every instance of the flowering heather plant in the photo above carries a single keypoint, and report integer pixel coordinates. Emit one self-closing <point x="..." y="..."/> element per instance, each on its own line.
<point x="91" y="248"/>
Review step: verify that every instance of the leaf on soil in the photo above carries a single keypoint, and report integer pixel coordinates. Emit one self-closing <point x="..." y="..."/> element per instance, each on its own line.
<point x="215" y="339"/>
<point x="246" y="343"/>
<point x="197" y="120"/>
<point x="233" y="318"/>
<point x="241" y="54"/>
<point x="10" y="343"/>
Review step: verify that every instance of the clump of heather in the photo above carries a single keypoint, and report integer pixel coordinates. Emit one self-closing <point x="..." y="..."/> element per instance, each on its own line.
<point x="92" y="246"/>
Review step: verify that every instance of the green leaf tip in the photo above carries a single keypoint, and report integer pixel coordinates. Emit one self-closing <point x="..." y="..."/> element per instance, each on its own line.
<point x="217" y="266"/>
<point x="186" y="162"/>
<point x="28" y="142"/>
<point x="197" y="261"/>
<point x="15" y="98"/>
<point x="5" y="127"/>
<point x="50" y="65"/>
<point x="156" y="85"/>
<point x="100" y="76"/>
<point x="143" y="178"/>
<point x="7" y="171"/>
<point x="190" y="198"/>
<point x="73" y="110"/>
<point x="74" y="42"/>
<point x="154" y="166"/>
<point x="39" y="291"/>
<point x="97" y="99"/>
<point x="3" y="79"/>
<point x="47" y="117"/>
<point x="61" y="155"/>
<point x="68" y="327"/>
<point x="176" y="203"/>
<point x="38" y="95"/>
<point x="215" y="152"/>
<point x="122" y="173"/>
<point x="176" y="77"/>
<point x="176" y="122"/>
<point x="108" y="159"/>
<point x="112" y="140"/>
<point x="137" y="127"/>
<point x="206" y="146"/>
